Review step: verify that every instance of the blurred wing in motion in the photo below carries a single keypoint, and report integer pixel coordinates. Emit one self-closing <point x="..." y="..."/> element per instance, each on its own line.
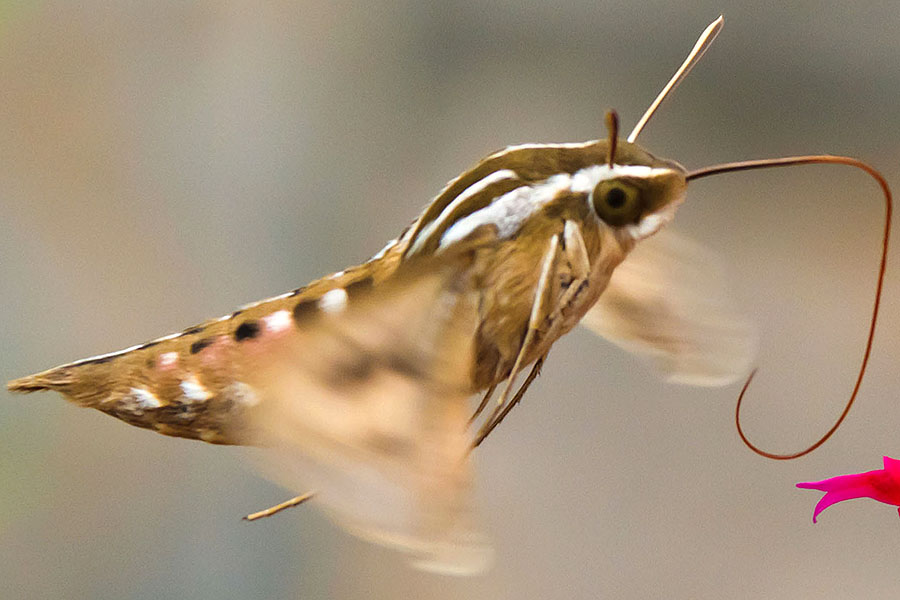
<point x="668" y="301"/>
<point x="367" y="407"/>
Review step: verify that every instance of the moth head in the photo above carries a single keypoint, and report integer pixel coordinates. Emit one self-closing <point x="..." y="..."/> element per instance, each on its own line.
<point x="636" y="194"/>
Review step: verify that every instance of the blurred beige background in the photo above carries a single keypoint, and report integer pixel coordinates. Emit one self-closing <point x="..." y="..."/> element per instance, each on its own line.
<point x="163" y="162"/>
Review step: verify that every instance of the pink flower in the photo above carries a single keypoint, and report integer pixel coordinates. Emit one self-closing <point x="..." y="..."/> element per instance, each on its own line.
<point x="882" y="485"/>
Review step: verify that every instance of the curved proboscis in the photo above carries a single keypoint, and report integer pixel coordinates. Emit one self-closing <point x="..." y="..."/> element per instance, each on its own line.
<point x="807" y="160"/>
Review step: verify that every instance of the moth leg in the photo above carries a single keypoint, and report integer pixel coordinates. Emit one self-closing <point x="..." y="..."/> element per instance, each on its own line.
<point x="502" y="411"/>
<point x="539" y="312"/>
<point x="483" y="403"/>
<point x="575" y="252"/>
<point x="280" y="507"/>
<point x="577" y="256"/>
<point x="532" y="375"/>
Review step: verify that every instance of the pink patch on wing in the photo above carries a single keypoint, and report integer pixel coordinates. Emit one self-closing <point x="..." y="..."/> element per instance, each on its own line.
<point x="167" y="361"/>
<point x="216" y="351"/>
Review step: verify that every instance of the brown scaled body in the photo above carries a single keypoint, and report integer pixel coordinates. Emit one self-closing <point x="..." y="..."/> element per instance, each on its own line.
<point x="504" y="277"/>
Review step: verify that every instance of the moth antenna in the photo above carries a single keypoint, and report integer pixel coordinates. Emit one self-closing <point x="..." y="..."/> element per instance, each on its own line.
<point x="703" y="43"/>
<point x="888" y="203"/>
<point x="612" y="126"/>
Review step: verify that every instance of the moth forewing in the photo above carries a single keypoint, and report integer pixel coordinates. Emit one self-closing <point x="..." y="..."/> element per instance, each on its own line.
<point x="369" y="408"/>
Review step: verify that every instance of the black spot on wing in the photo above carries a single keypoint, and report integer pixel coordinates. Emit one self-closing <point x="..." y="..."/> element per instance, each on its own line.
<point x="246" y="331"/>
<point x="199" y="345"/>
<point x="192" y="330"/>
<point x="304" y="310"/>
<point x="359" y="285"/>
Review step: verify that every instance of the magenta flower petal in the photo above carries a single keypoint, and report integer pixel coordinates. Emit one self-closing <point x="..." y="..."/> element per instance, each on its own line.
<point x="892" y="466"/>
<point x="835" y="483"/>
<point x="834" y="497"/>
<point x="882" y="485"/>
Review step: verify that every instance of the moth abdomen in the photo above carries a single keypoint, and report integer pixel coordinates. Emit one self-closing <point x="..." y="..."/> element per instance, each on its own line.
<point x="172" y="392"/>
<point x="211" y="417"/>
<point x="36" y="383"/>
<point x="192" y="383"/>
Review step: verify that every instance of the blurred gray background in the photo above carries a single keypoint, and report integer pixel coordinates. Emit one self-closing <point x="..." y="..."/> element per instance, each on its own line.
<point x="163" y="162"/>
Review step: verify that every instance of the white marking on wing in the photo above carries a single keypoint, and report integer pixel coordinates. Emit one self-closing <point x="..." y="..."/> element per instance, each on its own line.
<point x="242" y="393"/>
<point x="278" y="321"/>
<point x="140" y="400"/>
<point x="333" y="301"/>
<point x="167" y="360"/>
<point x="194" y="391"/>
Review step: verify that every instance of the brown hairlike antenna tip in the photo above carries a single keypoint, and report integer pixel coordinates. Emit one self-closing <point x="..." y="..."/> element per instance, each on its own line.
<point x="612" y="126"/>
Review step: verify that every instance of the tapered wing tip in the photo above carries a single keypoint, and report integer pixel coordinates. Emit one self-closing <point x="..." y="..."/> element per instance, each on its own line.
<point x="458" y="562"/>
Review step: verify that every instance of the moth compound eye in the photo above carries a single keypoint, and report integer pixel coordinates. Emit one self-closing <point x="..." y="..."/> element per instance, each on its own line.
<point x="617" y="202"/>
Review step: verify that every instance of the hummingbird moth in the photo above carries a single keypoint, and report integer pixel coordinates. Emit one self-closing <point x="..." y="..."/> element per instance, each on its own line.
<point x="360" y="382"/>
